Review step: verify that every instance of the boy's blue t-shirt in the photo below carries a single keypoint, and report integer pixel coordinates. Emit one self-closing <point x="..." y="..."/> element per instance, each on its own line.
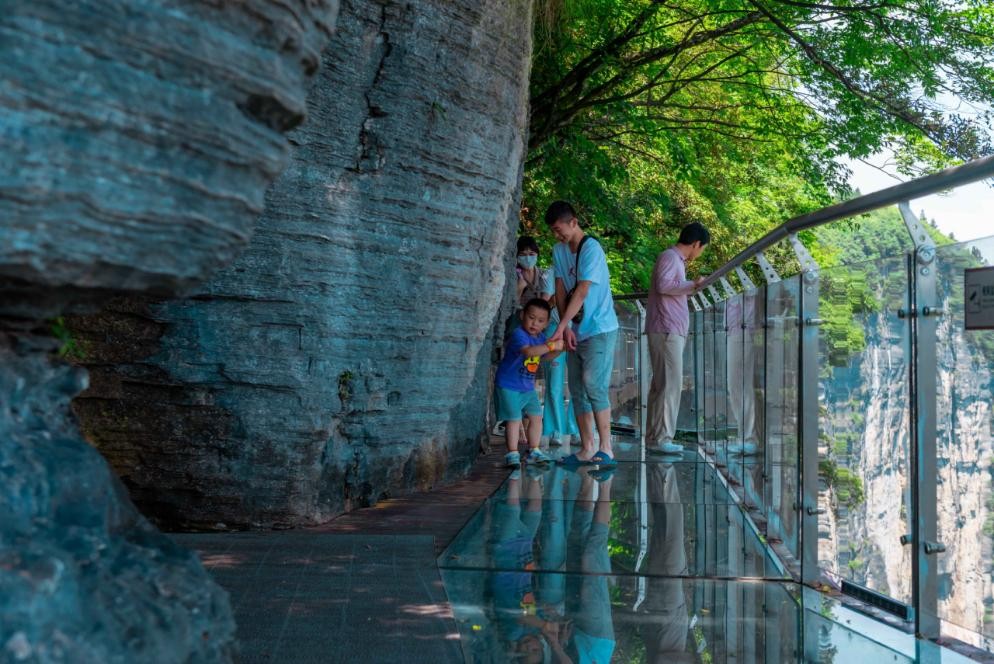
<point x="517" y="372"/>
<point x="598" y="307"/>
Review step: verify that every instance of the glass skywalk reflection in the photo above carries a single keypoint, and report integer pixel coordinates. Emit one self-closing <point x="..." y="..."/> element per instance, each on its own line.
<point x="683" y="502"/>
<point x="654" y="562"/>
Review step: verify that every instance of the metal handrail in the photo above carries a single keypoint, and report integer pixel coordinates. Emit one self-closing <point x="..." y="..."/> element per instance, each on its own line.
<point x="924" y="186"/>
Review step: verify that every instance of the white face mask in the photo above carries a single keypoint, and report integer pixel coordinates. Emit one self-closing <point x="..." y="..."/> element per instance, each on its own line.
<point x="527" y="262"/>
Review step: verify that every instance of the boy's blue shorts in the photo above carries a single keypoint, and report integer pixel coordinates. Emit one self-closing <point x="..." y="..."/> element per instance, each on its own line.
<point x="510" y="404"/>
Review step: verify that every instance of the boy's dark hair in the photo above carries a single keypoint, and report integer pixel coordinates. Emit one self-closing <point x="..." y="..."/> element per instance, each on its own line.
<point x="527" y="242"/>
<point x="558" y="210"/>
<point x="694" y="232"/>
<point x="540" y="304"/>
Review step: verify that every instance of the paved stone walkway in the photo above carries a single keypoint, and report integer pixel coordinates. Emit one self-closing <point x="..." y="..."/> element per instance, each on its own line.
<point x="364" y="587"/>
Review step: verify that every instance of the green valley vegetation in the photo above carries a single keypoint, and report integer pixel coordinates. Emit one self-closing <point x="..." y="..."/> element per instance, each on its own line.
<point x="847" y="485"/>
<point x="651" y="114"/>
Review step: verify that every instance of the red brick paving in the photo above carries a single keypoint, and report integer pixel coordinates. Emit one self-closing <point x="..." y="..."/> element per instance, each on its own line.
<point x="441" y="512"/>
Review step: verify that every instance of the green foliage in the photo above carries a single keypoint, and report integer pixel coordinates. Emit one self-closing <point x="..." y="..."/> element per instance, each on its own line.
<point x="847" y="485"/>
<point x="345" y="386"/>
<point x="69" y="347"/>
<point x="649" y="115"/>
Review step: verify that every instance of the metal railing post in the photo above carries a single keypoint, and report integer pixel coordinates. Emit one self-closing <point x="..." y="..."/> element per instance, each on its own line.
<point x="925" y="309"/>
<point x="807" y="409"/>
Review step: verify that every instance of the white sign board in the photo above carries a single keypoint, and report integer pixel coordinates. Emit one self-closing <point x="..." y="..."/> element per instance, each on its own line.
<point x="979" y="298"/>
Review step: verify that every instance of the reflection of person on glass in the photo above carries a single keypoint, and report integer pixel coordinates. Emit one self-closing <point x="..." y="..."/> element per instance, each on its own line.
<point x="666" y="633"/>
<point x="531" y="637"/>
<point x="593" y="633"/>
<point x="667" y="323"/>
<point x="740" y="319"/>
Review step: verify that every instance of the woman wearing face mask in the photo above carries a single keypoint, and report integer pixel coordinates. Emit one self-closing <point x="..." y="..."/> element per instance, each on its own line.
<point x="531" y="280"/>
<point x="557" y="425"/>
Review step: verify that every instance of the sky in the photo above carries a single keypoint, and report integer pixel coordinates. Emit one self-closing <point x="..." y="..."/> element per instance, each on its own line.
<point x="967" y="212"/>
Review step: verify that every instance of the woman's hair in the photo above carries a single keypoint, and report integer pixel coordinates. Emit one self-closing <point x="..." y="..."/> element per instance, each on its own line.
<point x="527" y="242"/>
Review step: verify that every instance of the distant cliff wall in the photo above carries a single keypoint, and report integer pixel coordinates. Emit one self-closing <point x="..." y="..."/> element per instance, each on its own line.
<point x="865" y="540"/>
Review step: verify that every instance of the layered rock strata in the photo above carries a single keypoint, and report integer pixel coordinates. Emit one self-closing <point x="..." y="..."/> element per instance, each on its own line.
<point x="138" y="141"/>
<point x="345" y="355"/>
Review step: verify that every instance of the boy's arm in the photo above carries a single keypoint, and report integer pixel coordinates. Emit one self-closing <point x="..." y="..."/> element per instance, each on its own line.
<point x="543" y="350"/>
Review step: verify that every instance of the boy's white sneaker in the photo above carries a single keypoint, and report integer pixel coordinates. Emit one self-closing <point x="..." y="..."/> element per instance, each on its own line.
<point x="538" y="456"/>
<point x="512" y="460"/>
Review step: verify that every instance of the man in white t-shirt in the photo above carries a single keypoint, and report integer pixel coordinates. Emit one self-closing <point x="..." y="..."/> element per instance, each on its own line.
<point x="583" y="282"/>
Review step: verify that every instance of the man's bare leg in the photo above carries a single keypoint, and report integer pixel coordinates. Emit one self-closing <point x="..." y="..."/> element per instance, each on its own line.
<point x="603" y="419"/>
<point x="585" y="422"/>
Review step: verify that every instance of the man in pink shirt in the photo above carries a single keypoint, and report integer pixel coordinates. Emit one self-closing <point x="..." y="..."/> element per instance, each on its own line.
<point x="666" y="324"/>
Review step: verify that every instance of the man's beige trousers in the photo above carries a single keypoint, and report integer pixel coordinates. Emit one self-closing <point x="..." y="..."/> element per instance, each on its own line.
<point x="666" y="356"/>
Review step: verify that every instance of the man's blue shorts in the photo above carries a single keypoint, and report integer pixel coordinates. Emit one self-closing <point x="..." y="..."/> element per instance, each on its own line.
<point x="588" y="372"/>
<point x="511" y="404"/>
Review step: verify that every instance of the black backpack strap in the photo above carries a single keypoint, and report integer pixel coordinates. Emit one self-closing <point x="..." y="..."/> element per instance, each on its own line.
<point x="577" y="267"/>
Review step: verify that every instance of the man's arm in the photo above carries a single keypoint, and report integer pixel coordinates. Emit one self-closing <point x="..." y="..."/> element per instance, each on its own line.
<point x="575" y="301"/>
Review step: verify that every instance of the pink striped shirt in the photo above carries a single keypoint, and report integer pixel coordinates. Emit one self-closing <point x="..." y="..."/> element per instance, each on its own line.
<point x="668" y="291"/>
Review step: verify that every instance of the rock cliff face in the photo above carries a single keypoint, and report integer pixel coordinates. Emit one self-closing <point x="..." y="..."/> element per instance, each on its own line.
<point x="134" y="162"/>
<point x="345" y="355"/>
<point x="138" y="140"/>
<point x="83" y="577"/>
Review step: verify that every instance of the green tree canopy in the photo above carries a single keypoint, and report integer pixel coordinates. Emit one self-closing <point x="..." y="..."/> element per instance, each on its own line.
<point x="649" y="114"/>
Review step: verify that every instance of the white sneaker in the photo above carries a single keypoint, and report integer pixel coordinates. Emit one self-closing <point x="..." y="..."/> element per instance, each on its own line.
<point x="538" y="456"/>
<point x="668" y="447"/>
<point x="512" y="460"/>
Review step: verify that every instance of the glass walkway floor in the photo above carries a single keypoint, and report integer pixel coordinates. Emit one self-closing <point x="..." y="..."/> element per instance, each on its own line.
<point x="652" y="563"/>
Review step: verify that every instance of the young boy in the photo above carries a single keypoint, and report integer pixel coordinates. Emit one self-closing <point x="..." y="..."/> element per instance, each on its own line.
<point x="514" y="386"/>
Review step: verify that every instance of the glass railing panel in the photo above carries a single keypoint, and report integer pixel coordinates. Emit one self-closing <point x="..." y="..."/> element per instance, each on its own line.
<point x="624" y="390"/>
<point x="720" y="385"/>
<point x="733" y="382"/>
<point x="697" y="329"/>
<point x="965" y="449"/>
<point x="780" y="432"/>
<point x="864" y="417"/>
<point x="743" y="452"/>
<point x="687" y="416"/>
<point x="707" y="385"/>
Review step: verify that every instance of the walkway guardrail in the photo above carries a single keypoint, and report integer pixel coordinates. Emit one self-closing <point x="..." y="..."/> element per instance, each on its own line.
<point x="852" y="412"/>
